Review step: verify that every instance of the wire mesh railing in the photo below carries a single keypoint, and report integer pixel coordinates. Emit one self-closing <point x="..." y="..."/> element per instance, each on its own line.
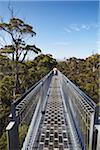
<point x="82" y="110"/>
<point x="23" y="109"/>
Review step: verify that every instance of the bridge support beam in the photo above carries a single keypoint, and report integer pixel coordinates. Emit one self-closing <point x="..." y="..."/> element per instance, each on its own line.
<point x="12" y="136"/>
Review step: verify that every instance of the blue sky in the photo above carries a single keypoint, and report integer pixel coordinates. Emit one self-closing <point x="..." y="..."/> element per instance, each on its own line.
<point x="64" y="28"/>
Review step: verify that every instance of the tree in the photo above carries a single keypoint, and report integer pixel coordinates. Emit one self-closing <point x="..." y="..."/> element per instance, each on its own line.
<point x="18" y="48"/>
<point x="6" y="89"/>
<point x="84" y="73"/>
<point x="3" y="142"/>
<point x="36" y="69"/>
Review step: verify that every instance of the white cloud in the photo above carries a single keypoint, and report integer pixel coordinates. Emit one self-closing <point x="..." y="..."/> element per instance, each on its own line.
<point x="80" y="27"/>
<point x="74" y="27"/>
<point x="85" y="27"/>
<point x="67" y="30"/>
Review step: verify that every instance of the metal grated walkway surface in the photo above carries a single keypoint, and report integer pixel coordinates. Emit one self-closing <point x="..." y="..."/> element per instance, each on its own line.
<point x="53" y="132"/>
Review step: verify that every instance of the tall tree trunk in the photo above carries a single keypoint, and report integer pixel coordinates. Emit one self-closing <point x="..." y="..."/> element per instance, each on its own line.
<point x="16" y="73"/>
<point x="13" y="74"/>
<point x="17" y="84"/>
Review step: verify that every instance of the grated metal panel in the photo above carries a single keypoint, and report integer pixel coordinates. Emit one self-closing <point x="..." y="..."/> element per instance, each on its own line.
<point x="53" y="133"/>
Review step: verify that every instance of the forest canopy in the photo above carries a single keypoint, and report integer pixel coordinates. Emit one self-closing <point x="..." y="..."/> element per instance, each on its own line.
<point x="84" y="73"/>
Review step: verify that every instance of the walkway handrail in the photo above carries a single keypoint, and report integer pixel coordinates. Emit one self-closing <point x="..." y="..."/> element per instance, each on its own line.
<point x="24" y="107"/>
<point x="87" y="98"/>
<point x="82" y="110"/>
<point x="18" y="100"/>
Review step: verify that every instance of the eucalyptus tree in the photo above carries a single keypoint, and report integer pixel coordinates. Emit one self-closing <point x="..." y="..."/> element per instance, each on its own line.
<point x="18" y="46"/>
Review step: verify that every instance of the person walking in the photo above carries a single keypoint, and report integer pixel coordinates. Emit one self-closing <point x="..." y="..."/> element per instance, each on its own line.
<point x="55" y="71"/>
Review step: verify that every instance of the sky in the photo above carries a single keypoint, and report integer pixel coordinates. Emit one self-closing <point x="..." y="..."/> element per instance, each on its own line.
<point x="64" y="28"/>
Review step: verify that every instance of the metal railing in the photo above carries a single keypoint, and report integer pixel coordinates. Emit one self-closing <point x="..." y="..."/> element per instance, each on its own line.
<point x="22" y="111"/>
<point x="82" y="110"/>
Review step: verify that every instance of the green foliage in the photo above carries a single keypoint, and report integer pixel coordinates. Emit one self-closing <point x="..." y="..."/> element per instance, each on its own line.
<point x="4" y="109"/>
<point x="84" y="73"/>
<point x="6" y="89"/>
<point x="23" y="128"/>
<point x="3" y="142"/>
<point x="18" y="31"/>
<point x="36" y="69"/>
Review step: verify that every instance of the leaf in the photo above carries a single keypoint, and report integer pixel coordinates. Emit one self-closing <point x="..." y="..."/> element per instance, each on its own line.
<point x="6" y="51"/>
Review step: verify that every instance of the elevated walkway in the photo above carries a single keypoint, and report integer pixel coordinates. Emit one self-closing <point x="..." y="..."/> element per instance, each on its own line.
<point x="59" y="116"/>
<point x="53" y="133"/>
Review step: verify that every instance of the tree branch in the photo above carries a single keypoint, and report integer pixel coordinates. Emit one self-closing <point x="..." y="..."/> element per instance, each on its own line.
<point x="24" y="57"/>
<point x="8" y="32"/>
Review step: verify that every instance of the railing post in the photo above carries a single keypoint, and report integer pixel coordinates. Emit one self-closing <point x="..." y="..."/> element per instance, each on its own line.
<point x="91" y="131"/>
<point x="96" y="131"/>
<point x="12" y="131"/>
<point x="42" y="96"/>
